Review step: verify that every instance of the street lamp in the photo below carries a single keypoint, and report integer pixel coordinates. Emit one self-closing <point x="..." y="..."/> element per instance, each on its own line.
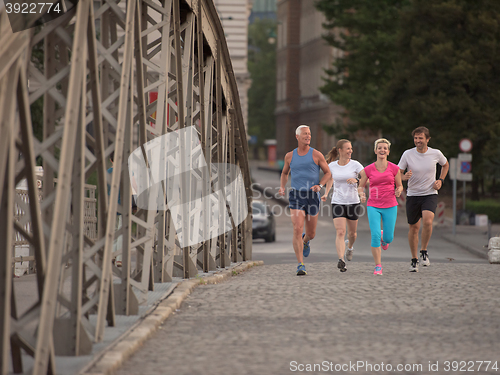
<point x="272" y="37"/>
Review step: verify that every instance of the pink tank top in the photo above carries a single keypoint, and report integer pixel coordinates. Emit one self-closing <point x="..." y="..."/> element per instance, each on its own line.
<point x="382" y="186"/>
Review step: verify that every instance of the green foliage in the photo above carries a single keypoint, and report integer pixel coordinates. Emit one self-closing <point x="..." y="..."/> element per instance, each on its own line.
<point x="488" y="207"/>
<point x="366" y="31"/>
<point x="37" y="118"/>
<point x="93" y="179"/>
<point x="411" y="63"/>
<point x="262" y="68"/>
<point x="36" y="108"/>
<point x="447" y="75"/>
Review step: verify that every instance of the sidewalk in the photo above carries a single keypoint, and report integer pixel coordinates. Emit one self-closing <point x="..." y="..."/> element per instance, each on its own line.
<point x="266" y="179"/>
<point x="471" y="238"/>
<point x="130" y="332"/>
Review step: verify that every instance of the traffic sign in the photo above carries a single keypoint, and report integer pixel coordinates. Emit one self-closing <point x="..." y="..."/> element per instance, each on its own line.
<point x="461" y="168"/>
<point x="465" y="145"/>
<point x="465" y="167"/>
<point x="453" y="169"/>
<point x="464" y="157"/>
<point x="464" y="177"/>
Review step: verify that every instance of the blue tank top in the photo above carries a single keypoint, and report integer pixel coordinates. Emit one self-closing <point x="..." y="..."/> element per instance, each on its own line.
<point x="304" y="171"/>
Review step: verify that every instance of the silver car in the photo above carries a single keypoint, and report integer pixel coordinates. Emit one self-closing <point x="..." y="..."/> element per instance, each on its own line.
<point x="263" y="223"/>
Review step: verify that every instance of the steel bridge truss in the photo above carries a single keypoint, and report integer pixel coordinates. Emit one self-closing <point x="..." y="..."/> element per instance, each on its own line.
<point x="98" y="69"/>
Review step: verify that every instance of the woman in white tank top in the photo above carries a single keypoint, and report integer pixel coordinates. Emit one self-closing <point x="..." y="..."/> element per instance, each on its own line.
<point x="345" y="199"/>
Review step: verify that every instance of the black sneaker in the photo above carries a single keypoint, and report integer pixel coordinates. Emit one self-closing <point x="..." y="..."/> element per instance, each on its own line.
<point x="424" y="258"/>
<point x="414" y="265"/>
<point x="341" y="266"/>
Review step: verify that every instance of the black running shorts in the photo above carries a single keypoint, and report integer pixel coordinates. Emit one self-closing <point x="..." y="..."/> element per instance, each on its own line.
<point x="416" y="204"/>
<point x="349" y="211"/>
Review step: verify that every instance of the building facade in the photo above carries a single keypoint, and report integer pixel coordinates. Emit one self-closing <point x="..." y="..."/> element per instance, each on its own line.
<point x="302" y="57"/>
<point x="234" y="16"/>
<point x="263" y="9"/>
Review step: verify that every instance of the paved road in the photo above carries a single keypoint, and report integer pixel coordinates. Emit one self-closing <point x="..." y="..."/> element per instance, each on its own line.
<point x="269" y="321"/>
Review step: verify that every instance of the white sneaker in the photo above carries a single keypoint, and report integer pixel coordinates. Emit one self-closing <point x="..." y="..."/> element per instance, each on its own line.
<point x="414" y="265"/>
<point x="348" y="253"/>
<point x="424" y="259"/>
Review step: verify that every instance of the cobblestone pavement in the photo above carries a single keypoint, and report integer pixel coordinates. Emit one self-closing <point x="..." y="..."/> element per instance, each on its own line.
<point x="269" y="321"/>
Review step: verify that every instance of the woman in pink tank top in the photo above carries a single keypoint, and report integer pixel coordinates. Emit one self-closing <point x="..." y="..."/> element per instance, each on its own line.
<point x="385" y="186"/>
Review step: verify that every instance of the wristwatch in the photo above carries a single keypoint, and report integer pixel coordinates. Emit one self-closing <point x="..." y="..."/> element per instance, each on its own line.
<point x="442" y="181"/>
<point x="320" y="186"/>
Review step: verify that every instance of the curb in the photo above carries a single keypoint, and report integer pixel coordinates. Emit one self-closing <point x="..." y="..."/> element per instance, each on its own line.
<point x="114" y="357"/>
<point x="270" y="169"/>
<point x="281" y="201"/>
<point x="471" y="250"/>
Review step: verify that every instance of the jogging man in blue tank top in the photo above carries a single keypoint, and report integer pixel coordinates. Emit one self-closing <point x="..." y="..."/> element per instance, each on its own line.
<point x="304" y="164"/>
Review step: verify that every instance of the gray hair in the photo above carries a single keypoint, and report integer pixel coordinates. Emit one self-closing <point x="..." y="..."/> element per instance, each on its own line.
<point x="299" y="129"/>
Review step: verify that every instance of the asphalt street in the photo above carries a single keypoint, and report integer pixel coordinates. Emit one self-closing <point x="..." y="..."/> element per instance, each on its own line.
<point x="269" y="321"/>
<point x="444" y="319"/>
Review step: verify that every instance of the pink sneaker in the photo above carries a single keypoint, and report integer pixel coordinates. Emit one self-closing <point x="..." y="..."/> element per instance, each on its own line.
<point x="383" y="245"/>
<point x="378" y="270"/>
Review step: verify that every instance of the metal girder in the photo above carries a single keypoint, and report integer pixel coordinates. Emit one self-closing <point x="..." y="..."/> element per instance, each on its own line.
<point x="97" y="90"/>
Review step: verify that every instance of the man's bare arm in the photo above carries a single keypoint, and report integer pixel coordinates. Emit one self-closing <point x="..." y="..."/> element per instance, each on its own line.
<point x="284" y="174"/>
<point x="444" y="170"/>
<point x="324" y="167"/>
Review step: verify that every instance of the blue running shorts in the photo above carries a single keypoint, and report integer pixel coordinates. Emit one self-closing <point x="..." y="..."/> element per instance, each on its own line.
<point x="306" y="200"/>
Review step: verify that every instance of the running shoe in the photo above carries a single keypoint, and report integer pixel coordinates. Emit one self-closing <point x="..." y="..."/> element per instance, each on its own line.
<point x="307" y="249"/>
<point x="341" y="266"/>
<point x="424" y="258"/>
<point x="414" y="265"/>
<point x="301" y="269"/>
<point x="348" y="252"/>
<point x="383" y="245"/>
<point x="378" y="270"/>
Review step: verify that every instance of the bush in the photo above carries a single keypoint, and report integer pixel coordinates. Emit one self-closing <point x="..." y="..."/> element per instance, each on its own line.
<point x="488" y="207"/>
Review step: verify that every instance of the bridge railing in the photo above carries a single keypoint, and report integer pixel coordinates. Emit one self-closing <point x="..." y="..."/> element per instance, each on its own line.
<point x="97" y="72"/>
<point x="23" y="219"/>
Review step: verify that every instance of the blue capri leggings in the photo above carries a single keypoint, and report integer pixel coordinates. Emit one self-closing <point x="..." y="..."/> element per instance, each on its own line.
<point x="388" y="217"/>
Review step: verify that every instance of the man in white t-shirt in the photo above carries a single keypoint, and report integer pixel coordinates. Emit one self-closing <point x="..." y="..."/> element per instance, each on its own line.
<point x="421" y="202"/>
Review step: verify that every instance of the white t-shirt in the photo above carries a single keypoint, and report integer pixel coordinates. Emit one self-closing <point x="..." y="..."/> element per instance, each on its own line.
<point x="343" y="193"/>
<point x="423" y="167"/>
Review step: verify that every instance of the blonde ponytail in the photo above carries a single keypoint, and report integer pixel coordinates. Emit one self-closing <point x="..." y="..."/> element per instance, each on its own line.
<point x="334" y="152"/>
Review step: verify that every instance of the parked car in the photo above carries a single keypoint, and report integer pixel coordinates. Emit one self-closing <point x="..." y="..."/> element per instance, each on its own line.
<point x="263" y="223"/>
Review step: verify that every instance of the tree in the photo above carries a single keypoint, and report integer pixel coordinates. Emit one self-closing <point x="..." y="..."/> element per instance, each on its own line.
<point x="262" y="68"/>
<point x="366" y="31"/>
<point x="37" y="58"/>
<point x="447" y="76"/>
<point x="409" y="63"/>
